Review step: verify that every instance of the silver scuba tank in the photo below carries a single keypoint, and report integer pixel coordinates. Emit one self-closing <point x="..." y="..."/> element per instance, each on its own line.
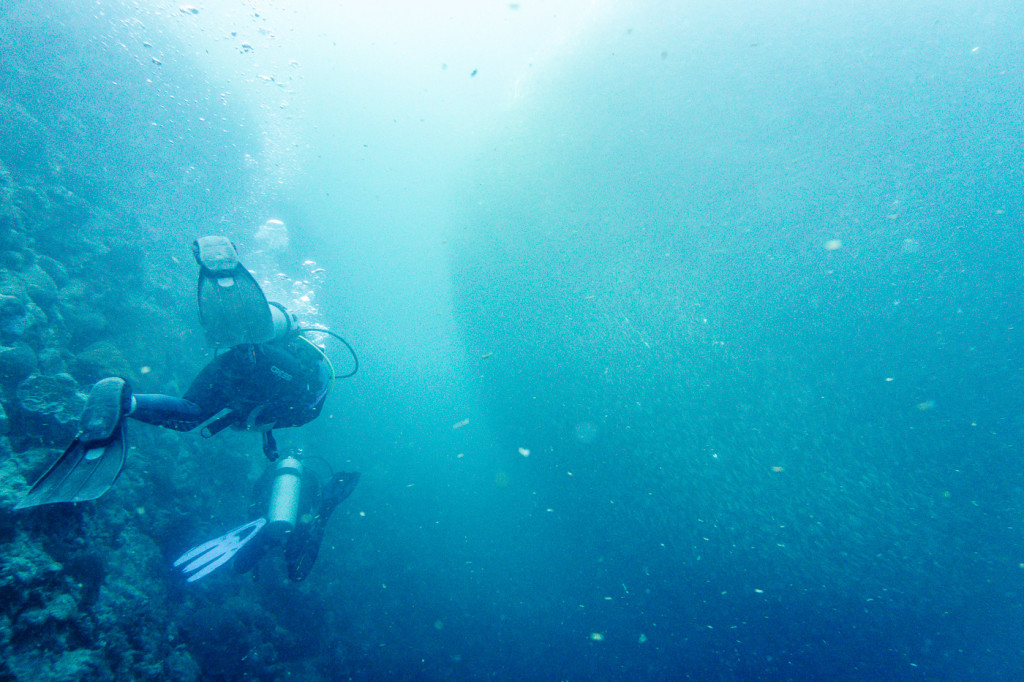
<point x="284" y="321"/>
<point x="283" y="508"/>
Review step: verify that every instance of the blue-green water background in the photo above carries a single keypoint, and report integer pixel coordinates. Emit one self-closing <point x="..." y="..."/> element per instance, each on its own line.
<point x="730" y="296"/>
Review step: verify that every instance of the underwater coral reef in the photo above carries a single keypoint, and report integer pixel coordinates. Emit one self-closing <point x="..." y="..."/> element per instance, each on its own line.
<point x="94" y="284"/>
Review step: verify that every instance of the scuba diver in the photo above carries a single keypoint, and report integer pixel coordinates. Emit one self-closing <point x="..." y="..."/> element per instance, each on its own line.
<point x="300" y="528"/>
<point x="297" y="510"/>
<point x="269" y="377"/>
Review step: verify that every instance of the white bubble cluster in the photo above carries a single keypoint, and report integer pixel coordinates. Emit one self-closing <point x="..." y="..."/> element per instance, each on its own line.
<point x="271" y="241"/>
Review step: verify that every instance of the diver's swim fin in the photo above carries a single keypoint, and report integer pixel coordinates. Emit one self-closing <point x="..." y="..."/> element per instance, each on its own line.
<point x="338" y="490"/>
<point x="302" y="548"/>
<point x="304" y="542"/>
<point x="85" y="471"/>
<point x="232" y="307"/>
<point x="95" y="458"/>
<point x="202" y="560"/>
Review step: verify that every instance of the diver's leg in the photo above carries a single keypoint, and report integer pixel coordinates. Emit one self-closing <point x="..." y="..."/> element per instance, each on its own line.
<point x="207" y="395"/>
<point x="164" y="410"/>
<point x="228" y="378"/>
<point x="302" y="548"/>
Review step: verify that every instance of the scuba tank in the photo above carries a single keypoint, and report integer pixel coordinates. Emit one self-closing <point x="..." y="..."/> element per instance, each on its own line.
<point x="284" y="322"/>
<point x="285" y="492"/>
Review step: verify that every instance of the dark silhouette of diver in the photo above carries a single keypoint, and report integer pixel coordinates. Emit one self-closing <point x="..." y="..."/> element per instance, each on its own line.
<point x="269" y="377"/>
<point x="299" y="529"/>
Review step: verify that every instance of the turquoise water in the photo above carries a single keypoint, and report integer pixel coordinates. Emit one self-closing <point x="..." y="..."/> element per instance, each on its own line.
<point x="690" y="335"/>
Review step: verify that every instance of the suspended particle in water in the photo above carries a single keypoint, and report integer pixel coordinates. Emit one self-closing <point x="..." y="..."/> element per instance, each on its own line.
<point x="833" y="244"/>
<point x="586" y="432"/>
<point x="524" y="452"/>
<point x="597" y="636"/>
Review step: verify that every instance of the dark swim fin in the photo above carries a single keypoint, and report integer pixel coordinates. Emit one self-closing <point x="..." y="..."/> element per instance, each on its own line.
<point x="304" y="542"/>
<point x="302" y="548"/>
<point x="338" y="490"/>
<point x="95" y="458"/>
<point x="84" y="472"/>
<point x="232" y="307"/>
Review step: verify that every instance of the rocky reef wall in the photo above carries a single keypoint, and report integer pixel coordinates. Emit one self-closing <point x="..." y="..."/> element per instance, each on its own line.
<point x="79" y="299"/>
<point x="96" y="280"/>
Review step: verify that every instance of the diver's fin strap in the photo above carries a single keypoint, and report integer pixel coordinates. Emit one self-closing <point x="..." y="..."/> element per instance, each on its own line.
<point x="216" y="254"/>
<point x="216" y="423"/>
<point x="209" y="556"/>
<point x="252" y="420"/>
<point x="227" y="417"/>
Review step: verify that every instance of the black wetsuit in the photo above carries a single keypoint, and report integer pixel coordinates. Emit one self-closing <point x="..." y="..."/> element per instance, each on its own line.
<point x="270" y="385"/>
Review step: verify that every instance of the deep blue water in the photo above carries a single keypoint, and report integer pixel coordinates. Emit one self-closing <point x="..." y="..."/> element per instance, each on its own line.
<point x="731" y="298"/>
